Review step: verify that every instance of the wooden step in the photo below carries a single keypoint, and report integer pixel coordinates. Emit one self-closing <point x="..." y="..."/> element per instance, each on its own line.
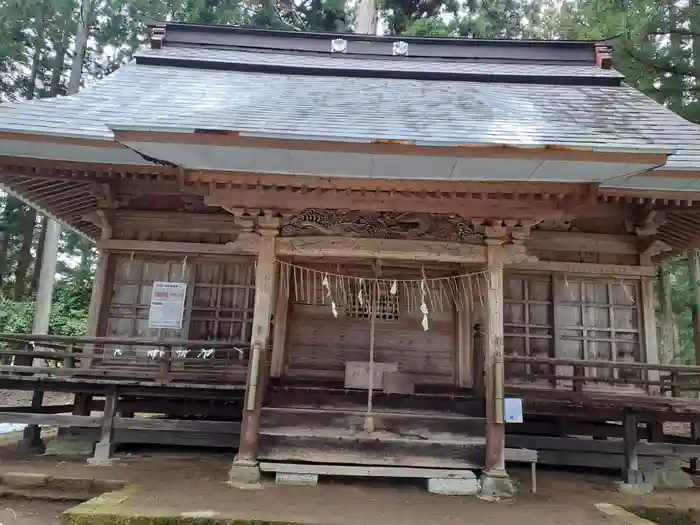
<point x="346" y="447"/>
<point x="396" y="421"/>
<point x="322" y="397"/>
<point x="365" y="471"/>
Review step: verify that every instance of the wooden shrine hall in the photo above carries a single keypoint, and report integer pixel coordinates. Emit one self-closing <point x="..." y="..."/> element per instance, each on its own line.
<point x="358" y="255"/>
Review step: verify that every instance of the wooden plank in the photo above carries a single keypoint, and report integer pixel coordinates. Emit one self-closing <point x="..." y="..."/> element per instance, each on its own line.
<point x="367" y="471"/>
<point x="49" y="420"/>
<point x="384" y="249"/>
<point x="592" y="269"/>
<point x="178" y="425"/>
<point x="358" y="450"/>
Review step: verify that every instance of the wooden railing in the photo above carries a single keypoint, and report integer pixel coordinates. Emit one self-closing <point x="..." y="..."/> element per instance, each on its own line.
<point x="123" y="359"/>
<point x="576" y="374"/>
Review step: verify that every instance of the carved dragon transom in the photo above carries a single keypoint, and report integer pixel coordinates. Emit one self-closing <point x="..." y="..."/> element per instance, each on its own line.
<point x="388" y="225"/>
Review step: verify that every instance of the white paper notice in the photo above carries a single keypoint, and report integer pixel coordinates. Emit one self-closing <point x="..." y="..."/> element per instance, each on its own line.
<point x="167" y="305"/>
<point x="513" y="410"/>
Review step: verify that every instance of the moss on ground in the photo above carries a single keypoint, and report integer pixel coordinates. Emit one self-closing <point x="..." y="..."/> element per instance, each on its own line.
<point x="107" y="510"/>
<point x="668" y="515"/>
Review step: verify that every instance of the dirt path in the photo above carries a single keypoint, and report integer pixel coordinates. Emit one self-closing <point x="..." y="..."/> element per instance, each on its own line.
<point x="31" y="512"/>
<point x="173" y="483"/>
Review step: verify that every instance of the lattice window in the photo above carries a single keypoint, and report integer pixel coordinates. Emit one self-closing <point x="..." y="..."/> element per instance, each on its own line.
<point x="527" y="321"/>
<point x="387" y="304"/>
<point x="223" y="301"/>
<point x="130" y="300"/>
<point x="599" y="320"/>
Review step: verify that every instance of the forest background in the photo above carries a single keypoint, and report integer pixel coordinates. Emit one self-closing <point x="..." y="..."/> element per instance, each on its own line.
<point x="49" y="47"/>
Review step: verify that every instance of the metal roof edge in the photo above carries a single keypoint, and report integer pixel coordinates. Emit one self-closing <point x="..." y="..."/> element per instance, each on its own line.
<point x="294" y="69"/>
<point x="244" y="30"/>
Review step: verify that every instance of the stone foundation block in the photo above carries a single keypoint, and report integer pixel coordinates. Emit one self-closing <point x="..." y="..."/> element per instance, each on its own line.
<point x="494" y="488"/>
<point x="635" y="489"/>
<point x="663" y="478"/>
<point x="454" y="486"/>
<point x="24" y="480"/>
<point x="304" y="480"/>
<point x="103" y="455"/>
<point x="244" y="473"/>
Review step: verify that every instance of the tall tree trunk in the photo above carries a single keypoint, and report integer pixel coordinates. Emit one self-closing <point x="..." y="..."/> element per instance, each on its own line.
<point x="25" y="254"/>
<point x="87" y="13"/>
<point x="11" y="205"/>
<point x="39" y="255"/>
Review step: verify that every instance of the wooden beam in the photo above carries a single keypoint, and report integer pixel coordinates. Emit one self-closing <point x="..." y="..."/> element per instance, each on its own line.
<point x="593" y="269"/>
<point x="289" y="199"/>
<point x="495" y="381"/>
<point x="582" y="242"/>
<point x="651" y="347"/>
<point x="184" y="248"/>
<point x="384" y="249"/>
<point x="279" y="337"/>
<point x="176" y="222"/>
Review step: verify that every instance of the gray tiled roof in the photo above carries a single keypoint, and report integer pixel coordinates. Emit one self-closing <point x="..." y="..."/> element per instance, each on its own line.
<point x="339" y="61"/>
<point x="148" y="97"/>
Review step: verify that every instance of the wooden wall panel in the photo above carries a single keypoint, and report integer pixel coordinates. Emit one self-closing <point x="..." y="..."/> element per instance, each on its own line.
<point x="320" y="344"/>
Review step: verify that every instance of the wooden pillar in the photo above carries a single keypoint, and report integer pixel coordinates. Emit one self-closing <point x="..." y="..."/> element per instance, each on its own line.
<point x="105" y="446"/>
<point x="493" y="353"/>
<point x="264" y="291"/>
<point x="651" y="346"/>
<point x="631" y="472"/>
<point x="279" y="337"/>
<point x="668" y="347"/>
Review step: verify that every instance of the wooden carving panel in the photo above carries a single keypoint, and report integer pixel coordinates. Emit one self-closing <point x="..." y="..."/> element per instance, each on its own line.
<point x="385" y="225"/>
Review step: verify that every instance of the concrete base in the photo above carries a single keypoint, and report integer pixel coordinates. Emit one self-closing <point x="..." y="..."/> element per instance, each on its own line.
<point x="494" y="488"/>
<point x="69" y="446"/>
<point x="635" y="489"/>
<point x="304" y="480"/>
<point x="103" y="455"/>
<point x="662" y="478"/>
<point x="467" y="486"/>
<point x="244" y="472"/>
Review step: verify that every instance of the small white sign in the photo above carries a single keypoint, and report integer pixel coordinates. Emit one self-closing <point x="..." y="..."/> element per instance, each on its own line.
<point x="513" y="410"/>
<point x="167" y="305"/>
